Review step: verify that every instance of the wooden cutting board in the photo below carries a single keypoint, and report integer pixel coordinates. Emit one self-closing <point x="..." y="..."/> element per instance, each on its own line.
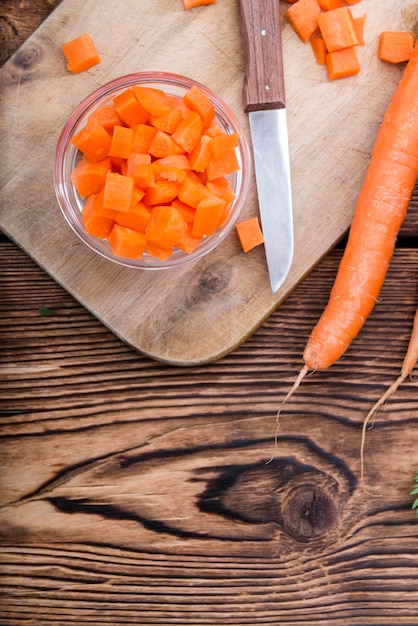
<point x="198" y="313"/>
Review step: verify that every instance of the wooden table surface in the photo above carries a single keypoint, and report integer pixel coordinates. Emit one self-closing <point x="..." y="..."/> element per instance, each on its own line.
<point x="139" y="493"/>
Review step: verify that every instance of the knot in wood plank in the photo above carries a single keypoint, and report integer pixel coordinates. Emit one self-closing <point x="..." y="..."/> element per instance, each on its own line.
<point x="24" y="64"/>
<point x="214" y="278"/>
<point x="309" y="512"/>
<point x="27" y="57"/>
<point x="302" y="500"/>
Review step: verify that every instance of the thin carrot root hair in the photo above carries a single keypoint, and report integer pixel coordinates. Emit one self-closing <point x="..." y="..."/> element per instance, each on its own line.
<point x="371" y="415"/>
<point x="408" y="365"/>
<point x="303" y="372"/>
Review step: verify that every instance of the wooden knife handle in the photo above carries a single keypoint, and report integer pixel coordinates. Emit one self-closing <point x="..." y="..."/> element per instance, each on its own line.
<point x="264" y="80"/>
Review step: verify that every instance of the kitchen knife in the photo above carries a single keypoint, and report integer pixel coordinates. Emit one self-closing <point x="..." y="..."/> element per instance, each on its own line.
<point x="264" y="101"/>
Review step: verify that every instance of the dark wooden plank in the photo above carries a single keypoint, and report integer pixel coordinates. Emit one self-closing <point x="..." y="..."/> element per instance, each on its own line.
<point x="18" y="20"/>
<point x="134" y="492"/>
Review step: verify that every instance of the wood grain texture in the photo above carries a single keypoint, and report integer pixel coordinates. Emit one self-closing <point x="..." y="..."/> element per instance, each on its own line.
<point x="18" y="20"/>
<point x="134" y="492"/>
<point x="201" y="312"/>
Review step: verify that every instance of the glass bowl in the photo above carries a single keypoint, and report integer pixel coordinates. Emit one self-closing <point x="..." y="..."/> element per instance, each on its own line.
<point x="67" y="155"/>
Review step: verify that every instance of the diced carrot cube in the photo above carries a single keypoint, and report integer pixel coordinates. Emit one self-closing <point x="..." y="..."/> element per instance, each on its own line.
<point x="249" y="233"/>
<point x="164" y="145"/>
<point x="137" y="217"/>
<point x="95" y="222"/>
<point x="192" y="191"/>
<point x="223" y="166"/>
<point x="196" y="100"/>
<point x="118" y="191"/>
<point x="155" y="101"/>
<point x="201" y="154"/>
<point x="188" y="132"/>
<point x="166" y="227"/>
<point x="144" y="175"/>
<point x="222" y="144"/>
<point x="338" y="29"/>
<point x="121" y="145"/>
<point x="93" y="141"/>
<point x="168" y="123"/>
<point x="143" y="135"/>
<point x="81" y="53"/>
<point x="342" y="63"/>
<point x="208" y="213"/>
<point x="107" y="116"/>
<point x="129" y="109"/>
<point x="88" y="177"/>
<point x="127" y="242"/>
<point x="303" y="17"/>
<point x="163" y="192"/>
<point x="396" y="46"/>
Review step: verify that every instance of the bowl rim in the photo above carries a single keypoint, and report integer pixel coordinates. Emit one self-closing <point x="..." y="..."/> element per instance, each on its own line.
<point x="64" y="151"/>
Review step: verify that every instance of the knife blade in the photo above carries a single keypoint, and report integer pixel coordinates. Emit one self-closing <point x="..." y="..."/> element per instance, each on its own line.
<point x="264" y="101"/>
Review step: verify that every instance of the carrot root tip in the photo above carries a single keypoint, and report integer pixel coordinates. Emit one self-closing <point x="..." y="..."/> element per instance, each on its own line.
<point x="303" y="372"/>
<point x="370" y="417"/>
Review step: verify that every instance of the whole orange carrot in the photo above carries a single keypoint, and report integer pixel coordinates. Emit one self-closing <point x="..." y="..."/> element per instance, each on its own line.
<point x="380" y="212"/>
<point x="381" y="208"/>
